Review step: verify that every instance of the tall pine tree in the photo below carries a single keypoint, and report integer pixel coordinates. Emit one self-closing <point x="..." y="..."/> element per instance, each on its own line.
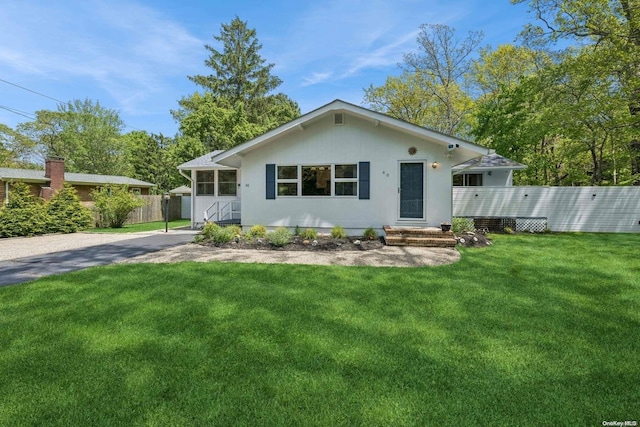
<point x="236" y="103"/>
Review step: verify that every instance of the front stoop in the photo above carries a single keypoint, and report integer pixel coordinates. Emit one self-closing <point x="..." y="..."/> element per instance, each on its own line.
<point x="426" y="237"/>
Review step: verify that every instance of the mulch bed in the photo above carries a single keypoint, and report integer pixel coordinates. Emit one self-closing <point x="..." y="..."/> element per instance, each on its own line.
<point x="322" y="243"/>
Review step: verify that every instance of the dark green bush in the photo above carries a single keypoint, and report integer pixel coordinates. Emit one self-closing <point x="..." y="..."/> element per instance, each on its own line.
<point x="66" y="213"/>
<point x="24" y="214"/>
<point x="370" y="234"/>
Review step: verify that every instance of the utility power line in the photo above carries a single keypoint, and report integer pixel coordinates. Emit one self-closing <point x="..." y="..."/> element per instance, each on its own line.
<point x="18" y="112"/>
<point x="29" y="90"/>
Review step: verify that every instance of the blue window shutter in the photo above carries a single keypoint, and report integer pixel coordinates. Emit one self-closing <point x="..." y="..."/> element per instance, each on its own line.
<point x="363" y="181"/>
<point x="271" y="181"/>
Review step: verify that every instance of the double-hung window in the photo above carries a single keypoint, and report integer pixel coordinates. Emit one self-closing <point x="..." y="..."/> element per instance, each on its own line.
<point x="227" y="183"/>
<point x="205" y="183"/>
<point x="287" y="183"/>
<point x="346" y="180"/>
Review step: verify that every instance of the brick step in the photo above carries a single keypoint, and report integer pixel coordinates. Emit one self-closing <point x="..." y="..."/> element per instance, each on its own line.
<point x="416" y="232"/>
<point x="425" y="242"/>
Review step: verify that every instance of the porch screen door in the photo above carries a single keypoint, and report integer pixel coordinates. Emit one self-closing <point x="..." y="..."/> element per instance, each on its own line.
<point x="411" y="190"/>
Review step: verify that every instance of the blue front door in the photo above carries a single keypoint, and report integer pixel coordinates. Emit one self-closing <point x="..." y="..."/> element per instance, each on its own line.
<point x="411" y="190"/>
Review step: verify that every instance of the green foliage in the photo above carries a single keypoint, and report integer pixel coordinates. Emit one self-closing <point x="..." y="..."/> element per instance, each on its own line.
<point x="65" y="212"/>
<point x="84" y="133"/>
<point x="24" y="214"/>
<point x="297" y="230"/>
<point x="257" y="232"/>
<point x="338" y="232"/>
<point x="217" y="234"/>
<point x="461" y="225"/>
<point x="114" y="203"/>
<point x="236" y="104"/>
<point x="281" y="236"/>
<point x="370" y="234"/>
<point x="309" y="234"/>
<point x="508" y="230"/>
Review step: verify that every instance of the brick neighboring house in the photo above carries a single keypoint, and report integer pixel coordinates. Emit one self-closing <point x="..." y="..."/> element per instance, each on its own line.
<point x="44" y="183"/>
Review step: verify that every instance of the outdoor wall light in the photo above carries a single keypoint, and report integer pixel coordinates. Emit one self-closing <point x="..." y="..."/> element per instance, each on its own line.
<point x="435" y="165"/>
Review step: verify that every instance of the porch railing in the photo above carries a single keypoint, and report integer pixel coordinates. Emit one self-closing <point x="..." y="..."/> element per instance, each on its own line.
<point x="223" y="211"/>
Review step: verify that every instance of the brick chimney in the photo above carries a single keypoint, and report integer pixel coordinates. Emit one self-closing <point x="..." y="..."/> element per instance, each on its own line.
<point x="54" y="170"/>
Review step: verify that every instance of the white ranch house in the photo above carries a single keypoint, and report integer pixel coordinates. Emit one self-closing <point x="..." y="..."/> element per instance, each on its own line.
<point x="340" y="164"/>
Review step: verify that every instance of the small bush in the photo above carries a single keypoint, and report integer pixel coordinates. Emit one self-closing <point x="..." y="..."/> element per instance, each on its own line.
<point x="309" y="234"/>
<point x="297" y="232"/>
<point x="281" y="236"/>
<point x="114" y="203"/>
<point x="217" y="235"/>
<point x="462" y="225"/>
<point x="338" y="232"/>
<point x="257" y="232"/>
<point x="370" y="234"/>
<point x="508" y="230"/>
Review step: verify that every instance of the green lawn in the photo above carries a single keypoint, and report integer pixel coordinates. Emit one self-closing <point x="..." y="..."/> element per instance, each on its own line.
<point x="145" y="226"/>
<point x="534" y="330"/>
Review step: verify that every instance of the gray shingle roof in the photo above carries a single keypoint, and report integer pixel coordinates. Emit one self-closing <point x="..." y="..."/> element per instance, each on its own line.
<point x="202" y="161"/>
<point x="70" y="177"/>
<point x="490" y="161"/>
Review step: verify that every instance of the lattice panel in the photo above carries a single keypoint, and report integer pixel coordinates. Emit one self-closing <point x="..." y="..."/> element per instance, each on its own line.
<point x="533" y="225"/>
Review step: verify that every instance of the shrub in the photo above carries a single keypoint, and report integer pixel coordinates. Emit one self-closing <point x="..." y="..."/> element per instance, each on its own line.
<point x="508" y="230"/>
<point x="24" y="214"/>
<point x="280" y="236"/>
<point x="114" y="203"/>
<point x="65" y="212"/>
<point x="338" y="232"/>
<point x="257" y="231"/>
<point x="216" y="234"/>
<point x="461" y="225"/>
<point x="297" y="232"/>
<point x="309" y="234"/>
<point x="370" y="234"/>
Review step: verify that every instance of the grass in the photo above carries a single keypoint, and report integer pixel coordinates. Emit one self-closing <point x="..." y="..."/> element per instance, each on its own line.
<point x="145" y="226"/>
<point x="534" y="330"/>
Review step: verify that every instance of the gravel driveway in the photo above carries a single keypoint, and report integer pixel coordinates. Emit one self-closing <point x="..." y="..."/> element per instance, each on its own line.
<point x="20" y="247"/>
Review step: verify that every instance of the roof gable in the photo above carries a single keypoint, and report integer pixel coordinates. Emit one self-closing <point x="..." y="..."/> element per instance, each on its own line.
<point x="231" y="157"/>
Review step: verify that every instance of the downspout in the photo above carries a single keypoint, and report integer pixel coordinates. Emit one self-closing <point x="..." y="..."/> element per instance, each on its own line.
<point x="193" y="198"/>
<point x="6" y="193"/>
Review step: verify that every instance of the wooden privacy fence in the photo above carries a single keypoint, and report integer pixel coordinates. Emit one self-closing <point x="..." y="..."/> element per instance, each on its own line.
<point x="589" y="209"/>
<point x="153" y="210"/>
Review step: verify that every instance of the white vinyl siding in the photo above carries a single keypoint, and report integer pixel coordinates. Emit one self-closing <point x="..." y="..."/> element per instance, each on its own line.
<point x="586" y="209"/>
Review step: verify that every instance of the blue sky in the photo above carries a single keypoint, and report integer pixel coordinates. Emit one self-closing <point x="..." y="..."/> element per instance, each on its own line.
<point x="135" y="56"/>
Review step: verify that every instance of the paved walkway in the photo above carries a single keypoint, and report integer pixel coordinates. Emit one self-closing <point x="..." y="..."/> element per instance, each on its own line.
<point x="28" y="258"/>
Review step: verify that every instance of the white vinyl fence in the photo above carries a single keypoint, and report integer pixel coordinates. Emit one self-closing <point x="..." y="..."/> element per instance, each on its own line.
<point x="589" y="209"/>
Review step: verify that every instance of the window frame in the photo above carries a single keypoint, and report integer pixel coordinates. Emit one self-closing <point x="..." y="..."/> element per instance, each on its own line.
<point x="220" y="181"/>
<point x="353" y="180"/>
<point x="287" y="180"/>
<point x="211" y="183"/>
<point x="333" y="180"/>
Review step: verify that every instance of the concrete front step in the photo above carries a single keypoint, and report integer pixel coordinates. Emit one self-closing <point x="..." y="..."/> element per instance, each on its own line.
<point x="419" y="236"/>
